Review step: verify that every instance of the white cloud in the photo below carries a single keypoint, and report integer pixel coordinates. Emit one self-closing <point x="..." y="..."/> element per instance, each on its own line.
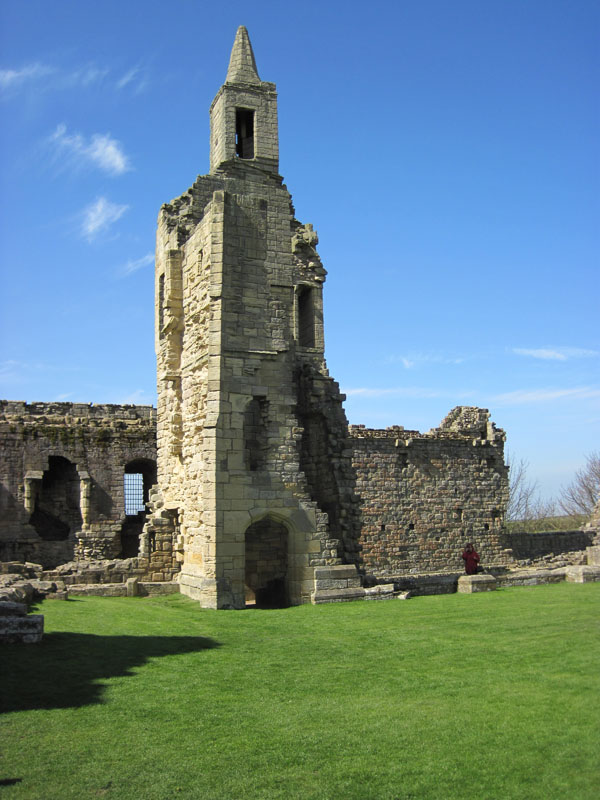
<point x="525" y="396"/>
<point x="555" y="353"/>
<point x="100" y="151"/>
<point x="11" y="78"/>
<point x="98" y="216"/>
<point x="134" y="264"/>
<point x="415" y="359"/>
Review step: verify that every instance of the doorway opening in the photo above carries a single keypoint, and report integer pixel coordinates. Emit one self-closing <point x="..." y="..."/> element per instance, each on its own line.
<point x="267" y="564"/>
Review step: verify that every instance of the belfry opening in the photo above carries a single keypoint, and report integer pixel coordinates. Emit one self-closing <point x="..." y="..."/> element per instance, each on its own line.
<point x="244" y="133"/>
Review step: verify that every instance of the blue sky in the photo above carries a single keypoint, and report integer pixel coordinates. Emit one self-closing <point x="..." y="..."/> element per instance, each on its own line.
<point x="446" y="152"/>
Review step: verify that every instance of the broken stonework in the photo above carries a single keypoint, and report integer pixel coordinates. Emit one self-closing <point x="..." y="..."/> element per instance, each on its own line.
<point x="583" y="574"/>
<point x="16" y="626"/>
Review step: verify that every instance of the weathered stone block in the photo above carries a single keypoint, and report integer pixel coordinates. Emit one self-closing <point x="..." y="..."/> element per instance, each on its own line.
<point x="583" y="574"/>
<point x="469" y="584"/>
<point x="593" y="556"/>
<point x="336" y="595"/>
<point x="12" y="609"/>
<point x="21" y="629"/>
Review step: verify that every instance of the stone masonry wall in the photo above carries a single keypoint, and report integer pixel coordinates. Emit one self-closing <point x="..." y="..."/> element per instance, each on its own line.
<point x="536" y="545"/>
<point x="424" y="496"/>
<point x="61" y="477"/>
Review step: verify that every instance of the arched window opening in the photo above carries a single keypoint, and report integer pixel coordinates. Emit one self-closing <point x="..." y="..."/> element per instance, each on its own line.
<point x="266" y="564"/>
<point x="306" y="316"/>
<point x="57" y="512"/>
<point x="256" y="444"/>
<point x="244" y="133"/>
<point x="138" y="478"/>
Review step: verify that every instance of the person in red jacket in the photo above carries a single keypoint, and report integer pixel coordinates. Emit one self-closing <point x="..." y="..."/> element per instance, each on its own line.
<point x="471" y="559"/>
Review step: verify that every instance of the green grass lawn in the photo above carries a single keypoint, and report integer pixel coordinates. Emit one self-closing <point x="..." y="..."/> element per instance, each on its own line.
<point x="459" y="696"/>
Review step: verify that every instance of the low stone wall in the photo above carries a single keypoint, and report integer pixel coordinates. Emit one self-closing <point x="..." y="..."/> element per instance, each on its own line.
<point x="537" y="545"/>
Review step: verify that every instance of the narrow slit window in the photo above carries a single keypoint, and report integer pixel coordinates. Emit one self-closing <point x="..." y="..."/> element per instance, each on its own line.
<point x="306" y="317"/>
<point x="161" y="304"/>
<point x="244" y="133"/>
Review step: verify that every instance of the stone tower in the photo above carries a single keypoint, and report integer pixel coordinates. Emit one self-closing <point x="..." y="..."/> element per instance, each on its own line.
<point x="254" y="470"/>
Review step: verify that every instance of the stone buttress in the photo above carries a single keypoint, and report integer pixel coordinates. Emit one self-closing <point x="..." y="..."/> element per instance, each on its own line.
<point x="254" y="471"/>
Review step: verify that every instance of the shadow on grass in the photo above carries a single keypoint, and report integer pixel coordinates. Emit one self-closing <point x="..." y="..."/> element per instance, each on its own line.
<point x="65" y="669"/>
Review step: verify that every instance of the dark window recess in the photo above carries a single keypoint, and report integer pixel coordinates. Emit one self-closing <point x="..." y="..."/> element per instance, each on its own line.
<point x="306" y="317"/>
<point x="133" y="484"/>
<point x="255" y="433"/>
<point x="138" y="478"/>
<point x="244" y="133"/>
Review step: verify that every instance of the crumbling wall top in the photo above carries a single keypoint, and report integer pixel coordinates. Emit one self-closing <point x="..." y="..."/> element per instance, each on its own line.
<point x="14" y="410"/>
<point x="463" y="422"/>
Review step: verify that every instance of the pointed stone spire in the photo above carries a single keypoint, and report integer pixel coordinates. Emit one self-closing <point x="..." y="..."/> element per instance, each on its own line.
<point x="242" y="66"/>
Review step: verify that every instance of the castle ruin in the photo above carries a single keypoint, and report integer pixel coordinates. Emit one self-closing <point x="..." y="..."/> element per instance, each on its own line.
<point x="253" y="485"/>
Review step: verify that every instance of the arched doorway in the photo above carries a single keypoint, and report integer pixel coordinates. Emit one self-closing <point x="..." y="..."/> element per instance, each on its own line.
<point x="138" y="478"/>
<point x="266" y="576"/>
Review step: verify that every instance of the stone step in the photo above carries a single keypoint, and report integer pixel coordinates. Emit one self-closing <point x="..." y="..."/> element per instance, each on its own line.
<point x="11" y="609"/>
<point x="336" y="595"/>
<point x="469" y="584"/>
<point x="335" y="572"/>
<point x="22" y="630"/>
<point x="338" y="583"/>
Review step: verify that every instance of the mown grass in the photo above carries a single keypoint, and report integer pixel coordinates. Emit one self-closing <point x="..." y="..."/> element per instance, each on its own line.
<point x="460" y="696"/>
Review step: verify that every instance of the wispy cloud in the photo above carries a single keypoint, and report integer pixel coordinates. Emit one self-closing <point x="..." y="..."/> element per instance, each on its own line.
<point x="48" y="77"/>
<point x="137" y="397"/>
<point x="99" y="216"/>
<point x="134" y="78"/>
<point x="87" y="75"/>
<point x="417" y="392"/>
<point x="416" y="359"/>
<point x="16" y="372"/>
<point x="13" y="78"/>
<point x="100" y="150"/>
<point x="134" y="264"/>
<point x="527" y="396"/>
<point x="555" y="353"/>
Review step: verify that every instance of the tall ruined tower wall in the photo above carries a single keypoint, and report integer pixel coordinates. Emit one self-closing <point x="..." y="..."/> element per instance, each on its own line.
<point x="241" y="368"/>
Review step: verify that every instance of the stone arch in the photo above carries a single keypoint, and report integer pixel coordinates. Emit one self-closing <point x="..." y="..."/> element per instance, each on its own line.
<point x="266" y="547"/>
<point x="139" y="475"/>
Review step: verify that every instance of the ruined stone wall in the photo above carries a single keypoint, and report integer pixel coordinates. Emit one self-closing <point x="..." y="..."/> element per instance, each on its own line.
<point x="61" y="477"/>
<point x="536" y="545"/>
<point x="423" y="496"/>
